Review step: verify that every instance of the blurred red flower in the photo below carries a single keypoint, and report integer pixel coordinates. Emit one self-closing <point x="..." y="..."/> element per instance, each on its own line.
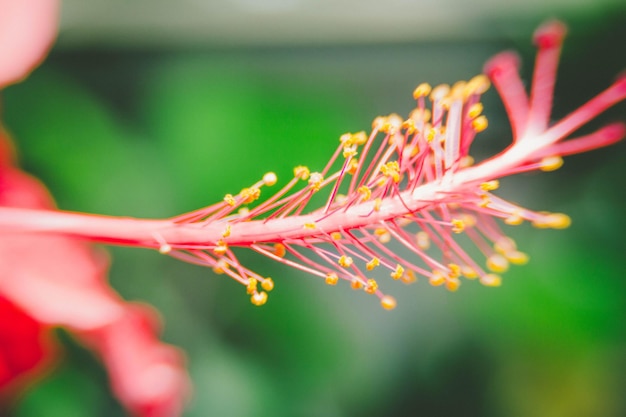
<point x="49" y="281"/>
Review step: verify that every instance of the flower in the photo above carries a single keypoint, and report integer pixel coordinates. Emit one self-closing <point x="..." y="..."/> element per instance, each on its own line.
<point x="22" y="50"/>
<point x="411" y="180"/>
<point x="49" y="281"/>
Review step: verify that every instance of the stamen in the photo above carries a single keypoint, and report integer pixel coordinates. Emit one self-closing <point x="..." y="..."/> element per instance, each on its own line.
<point x="414" y="181"/>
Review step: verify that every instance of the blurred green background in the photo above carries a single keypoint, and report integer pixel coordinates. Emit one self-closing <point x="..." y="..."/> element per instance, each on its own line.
<point x="125" y="126"/>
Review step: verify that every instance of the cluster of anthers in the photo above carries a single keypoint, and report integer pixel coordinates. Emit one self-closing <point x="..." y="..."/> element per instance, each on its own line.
<point x="410" y="181"/>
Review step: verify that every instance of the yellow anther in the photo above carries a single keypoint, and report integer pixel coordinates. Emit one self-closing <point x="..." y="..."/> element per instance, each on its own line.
<point x="477" y="85"/>
<point x="267" y="284"/>
<point x="560" y="221"/>
<point x="468" y="219"/>
<point x="389" y="167"/>
<point x="346" y="139"/>
<point x="497" y="263"/>
<point x="230" y="200"/>
<point x="310" y="225"/>
<point x="553" y="221"/>
<point x="485" y="200"/>
<point x="377" y="202"/>
<point x="226" y="231"/>
<point x="409" y="126"/>
<point x="221" y="248"/>
<point x="336" y="235"/>
<point x="388" y="302"/>
<point x="514" y="219"/>
<point x="551" y="163"/>
<point x="393" y="124"/>
<point x="397" y="273"/>
<point x="430" y="134"/>
<point x="422" y="240"/>
<point x="379" y="122"/>
<point x="490" y="185"/>
<point x="280" y="250"/>
<point x="349" y="139"/>
<point x="349" y="151"/>
<point x="455" y="271"/>
<point x="453" y="284"/>
<point x="371" y="286"/>
<point x="458" y="90"/>
<point x="220" y="266"/>
<point x="365" y="192"/>
<point x="475" y="110"/>
<point x="359" y="138"/>
<point x="516" y="257"/>
<point x="437" y="278"/>
<point x="315" y="181"/>
<point x="252" y="286"/>
<point x="466" y="161"/>
<point x="301" y="172"/>
<point x="440" y="92"/>
<point x="391" y="170"/>
<point x="259" y="298"/>
<point x="243" y="212"/>
<point x="409" y="277"/>
<point x="356" y="283"/>
<point x="270" y="178"/>
<point x="480" y="123"/>
<point x="341" y="199"/>
<point x="387" y="127"/>
<point x="345" y="261"/>
<point x="380" y="231"/>
<point x="469" y="272"/>
<point x="420" y="115"/>
<point x="352" y="166"/>
<point x="422" y="90"/>
<point x="331" y="278"/>
<point x="504" y="245"/>
<point x="491" y="280"/>
<point x="165" y="248"/>
<point x="383" y="235"/>
<point x="372" y="264"/>
<point x="458" y="225"/>
<point x="250" y="194"/>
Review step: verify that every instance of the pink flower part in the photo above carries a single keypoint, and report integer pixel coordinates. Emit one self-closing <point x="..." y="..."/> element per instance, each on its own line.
<point x="61" y="281"/>
<point x="24" y="348"/>
<point x="145" y="374"/>
<point x="27" y="30"/>
<point x="417" y="185"/>
<point x="410" y="181"/>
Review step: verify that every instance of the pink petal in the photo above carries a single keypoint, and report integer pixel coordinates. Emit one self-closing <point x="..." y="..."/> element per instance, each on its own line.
<point x="58" y="280"/>
<point x="145" y="375"/>
<point x="27" y="30"/>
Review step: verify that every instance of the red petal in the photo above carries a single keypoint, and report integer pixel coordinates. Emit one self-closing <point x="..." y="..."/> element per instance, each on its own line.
<point x="23" y="346"/>
<point x="59" y="280"/>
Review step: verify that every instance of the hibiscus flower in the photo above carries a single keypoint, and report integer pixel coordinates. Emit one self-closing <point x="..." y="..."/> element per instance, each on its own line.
<point x="51" y="281"/>
<point x="410" y="181"/>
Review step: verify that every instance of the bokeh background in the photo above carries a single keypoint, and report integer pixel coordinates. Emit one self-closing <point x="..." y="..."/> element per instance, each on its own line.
<point x="153" y="108"/>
